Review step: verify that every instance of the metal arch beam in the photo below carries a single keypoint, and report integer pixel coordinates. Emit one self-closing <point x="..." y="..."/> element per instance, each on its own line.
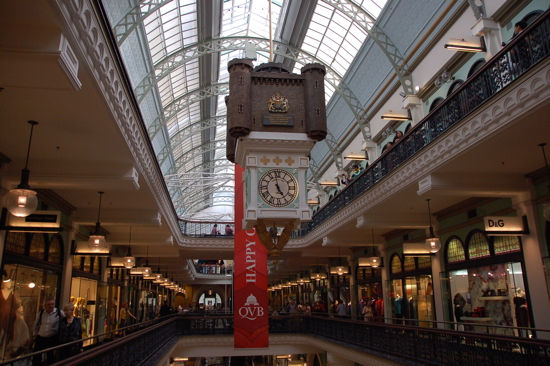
<point x="314" y="168"/>
<point x="135" y="17"/>
<point x="199" y="150"/>
<point x="194" y="96"/>
<point x="362" y="18"/>
<point x="211" y="164"/>
<point x="189" y="130"/>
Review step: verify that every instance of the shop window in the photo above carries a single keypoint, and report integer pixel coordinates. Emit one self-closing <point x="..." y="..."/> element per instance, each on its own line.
<point x="506" y="244"/>
<point x="77" y="262"/>
<point x="455" y="251"/>
<point x="97" y="262"/>
<point x="16" y="242"/>
<point x="396" y="264"/>
<point x="424" y="262"/>
<point x="409" y="264"/>
<point x="478" y="246"/>
<point x="55" y="250"/>
<point x="87" y="264"/>
<point x="38" y="246"/>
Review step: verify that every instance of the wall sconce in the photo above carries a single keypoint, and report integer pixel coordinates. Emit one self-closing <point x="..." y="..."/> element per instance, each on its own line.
<point x="466" y="46"/>
<point x="22" y="201"/>
<point x="445" y="77"/>
<point x="96" y="242"/>
<point x="357" y="156"/>
<point x="546" y="206"/>
<point x="433" y="244"/>
<point x="396" y="117"/>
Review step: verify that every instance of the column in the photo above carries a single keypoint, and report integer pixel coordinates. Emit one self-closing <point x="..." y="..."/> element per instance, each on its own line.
<point x="534" y="268"/>
<point x="67" y="274"/>
<point x="385" y="271"/>
<point x="490" y="31"/>
<point x="437" y="260"/>
<point x="353" y="287"/>
<point x="414" y="104"/>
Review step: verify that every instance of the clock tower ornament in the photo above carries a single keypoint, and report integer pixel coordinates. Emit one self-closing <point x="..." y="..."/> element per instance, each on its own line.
<point x="274" y="120"/>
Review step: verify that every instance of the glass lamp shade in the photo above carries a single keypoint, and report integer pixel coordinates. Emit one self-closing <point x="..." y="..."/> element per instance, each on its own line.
<point x="433" y="245"/>
<point x="340" y="270"/>
<point x="147" y="271"/>
<point x="364" y="262"/>
<point x="374" y="262"/>
<point x="129" y="262"/>
<point x="21" y="202"/>
<point x="318" y="276"/>
<point x="97" y="243"/>
<point x="546" y="210"/>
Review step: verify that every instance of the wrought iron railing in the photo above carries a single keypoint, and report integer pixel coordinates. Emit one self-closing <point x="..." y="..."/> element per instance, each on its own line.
<point x="524" y="52"/>
<point x="405" y="344"/>
<point x="201" y="229"/>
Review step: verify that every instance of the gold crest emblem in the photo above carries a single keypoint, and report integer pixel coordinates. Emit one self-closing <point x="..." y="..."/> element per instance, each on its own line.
<point x="277" y="104"/>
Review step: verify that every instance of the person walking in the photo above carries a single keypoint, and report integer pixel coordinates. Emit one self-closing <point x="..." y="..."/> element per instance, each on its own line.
<point x="70" y="329"/>
<point x="164" y="309"/>
<point x="45" y="330"/>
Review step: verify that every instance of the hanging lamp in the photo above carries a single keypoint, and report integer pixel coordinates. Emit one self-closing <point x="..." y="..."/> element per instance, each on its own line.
<point x="96" y="241"/>
<point x="129" y="260"/>
<point x="339" y="270"/>
<point x="147" y="270"/>
<point x="546" y="206"/>
<point x="433" y="244"/>
<point x="22" y="201"/>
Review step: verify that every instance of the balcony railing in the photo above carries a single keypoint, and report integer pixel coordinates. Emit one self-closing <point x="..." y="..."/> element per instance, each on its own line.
<point x="524" y="52"/>
<point x="204" y="229"/>
<point x="405" y="344"/>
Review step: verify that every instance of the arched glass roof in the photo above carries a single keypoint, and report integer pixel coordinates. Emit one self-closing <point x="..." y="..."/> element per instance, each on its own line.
<point x="187" y="42"/>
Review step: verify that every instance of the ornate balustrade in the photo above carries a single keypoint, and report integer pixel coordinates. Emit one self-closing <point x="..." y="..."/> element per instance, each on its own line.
<point x="525" y="51"/>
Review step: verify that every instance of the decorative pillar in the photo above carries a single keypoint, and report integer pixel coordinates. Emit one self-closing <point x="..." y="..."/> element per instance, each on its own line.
<point x="534" y="268"/>
<point x="385" y="277"/>
<point x="67" y="274"/>
<point x="414" y="104"/>
<point x="490" y="31"/>
<point x="353" y="287"/>
<point x="437" y="261"/>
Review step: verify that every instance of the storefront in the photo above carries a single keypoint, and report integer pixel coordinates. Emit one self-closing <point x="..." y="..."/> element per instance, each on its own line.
<point x="32" y="266"/>
<point x="369" y="292"/>
<point x="485" y="283"/>
<point x="85" y="294"/>
<point x="410" y="291"/>
<point x="114" y="285"/>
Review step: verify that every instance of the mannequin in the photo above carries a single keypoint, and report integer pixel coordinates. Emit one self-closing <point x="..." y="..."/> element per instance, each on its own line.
<point x="398" y="306"/>
<point x="9" y="305"/>
<point x="520" y="302"/>
<point x="459" y="302"/>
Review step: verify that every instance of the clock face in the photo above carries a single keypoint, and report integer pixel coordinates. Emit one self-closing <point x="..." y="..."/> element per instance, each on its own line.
<point x="278" y="187"/>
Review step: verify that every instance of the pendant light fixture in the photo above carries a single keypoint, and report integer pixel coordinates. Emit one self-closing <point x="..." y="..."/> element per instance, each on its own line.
<point x="546" y="206"/>
<point x="147" y="270"/>
<point x="22" y="201"/>
<point x="96" y="241"/>
<point x="339" y="270"/>
<point x="318" y="275"/>
<point x="433" y="244"/>
<point x="129" y="260"/>
<point x="374" y="261"/>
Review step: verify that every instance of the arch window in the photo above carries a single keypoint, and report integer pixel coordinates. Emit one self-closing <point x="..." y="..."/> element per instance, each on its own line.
<point x="55" y="250"/>
<point x="435" y="103"/>
<point x="454" y="86"/>
<point x="506" y="244"/>
<point x="409" y="264"/>
<point x="424" y="262"/>
<point x="16" y="242"/>
<point x="530" y="18"/>
<point x="478" y="246"/>
<point x="476" y="66"/>
<point x="396" y="264"/>
<point x="455" y="251"/>
<point x="38" y="246"/>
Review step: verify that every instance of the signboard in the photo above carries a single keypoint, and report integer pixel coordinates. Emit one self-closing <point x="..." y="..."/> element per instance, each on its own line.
<point x="504" y="225"/>
<point x="38" y="219"/>
<point x="250" y="280"/>
<point x="278" y="120"/>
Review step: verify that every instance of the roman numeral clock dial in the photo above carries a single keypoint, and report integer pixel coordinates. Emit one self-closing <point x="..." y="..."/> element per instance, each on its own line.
<point x="278" y="187"/>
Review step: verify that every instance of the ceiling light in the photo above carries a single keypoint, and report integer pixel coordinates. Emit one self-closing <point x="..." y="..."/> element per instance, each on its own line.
<point x="129" y="260"/>
<point x="466" y="46"/>
<point x="22" y="201"/>
<point x="364" y="262"/>
<point x="397" y="117"/>
<point x="96" y="242"/>
<point x="356" y="156"/>
<point x="433" y="244"/>
<point x="32" y="285"/>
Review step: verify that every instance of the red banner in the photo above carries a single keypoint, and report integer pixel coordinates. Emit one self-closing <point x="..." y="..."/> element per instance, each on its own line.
<point x="251" y="324"/>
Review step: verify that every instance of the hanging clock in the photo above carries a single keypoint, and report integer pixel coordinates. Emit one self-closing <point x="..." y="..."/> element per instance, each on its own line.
<point x="278" y="187"/>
